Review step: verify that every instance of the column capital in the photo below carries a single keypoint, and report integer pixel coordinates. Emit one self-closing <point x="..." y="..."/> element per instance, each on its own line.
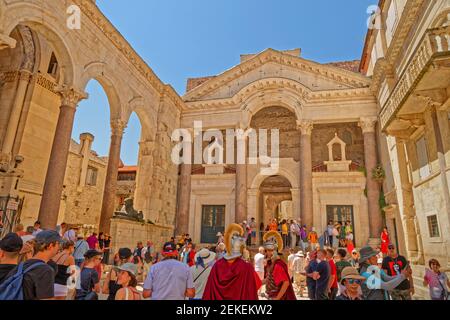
<point x="7" y="42"/>
<point x="70" y="96"/>
<point x="146" y="147"/>
<point x="305" y="126"/>
<point x="368" y="124"/>
<point x="118" y="127"/>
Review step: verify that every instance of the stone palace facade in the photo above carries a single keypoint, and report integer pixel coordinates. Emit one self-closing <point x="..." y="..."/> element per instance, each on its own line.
<point x="361" y="141"/>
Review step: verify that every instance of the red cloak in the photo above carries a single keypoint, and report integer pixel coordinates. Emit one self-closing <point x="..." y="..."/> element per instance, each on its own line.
<point x="235" y="281"/>
<point x="280" y="274"/>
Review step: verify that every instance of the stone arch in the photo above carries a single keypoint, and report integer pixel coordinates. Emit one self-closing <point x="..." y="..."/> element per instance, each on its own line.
<point x="259" y="179"/>
<point x="272" y="91"/>
<point x="146" y="118"/>
<point x="96" y="71"/>
<point x="44" y="23"/>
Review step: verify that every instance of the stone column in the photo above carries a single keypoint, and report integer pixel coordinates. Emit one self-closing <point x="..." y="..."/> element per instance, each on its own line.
<point x="11" y="130"/>
<point x="184" y="199"/>
<point x="373" y="189"/>
<point x="144" y="178"/>
<point x="109" y="192"/>
<point x="306" y="191"/>
<point x="241" y="181"/>
<point x="408" y="212"/>
<point x="54" y="180"/>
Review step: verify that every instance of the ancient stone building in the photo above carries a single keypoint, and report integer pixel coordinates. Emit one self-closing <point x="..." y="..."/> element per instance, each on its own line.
<point x="407" y="55"/>
<point x="326" y="117"/>
<point x="339" y="125"/>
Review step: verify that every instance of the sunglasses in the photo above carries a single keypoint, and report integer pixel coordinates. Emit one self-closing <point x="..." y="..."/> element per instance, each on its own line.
<point x="354" y="281"/>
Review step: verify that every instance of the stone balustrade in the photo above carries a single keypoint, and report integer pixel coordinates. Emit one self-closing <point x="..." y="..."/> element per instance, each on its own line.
<point x="435" y="43"/>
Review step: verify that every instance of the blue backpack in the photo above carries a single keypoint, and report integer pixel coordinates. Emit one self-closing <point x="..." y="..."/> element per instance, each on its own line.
<point x="11" y="288"/>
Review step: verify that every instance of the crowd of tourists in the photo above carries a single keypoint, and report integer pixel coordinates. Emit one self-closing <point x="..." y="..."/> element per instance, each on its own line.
<point x="292" y="262"/>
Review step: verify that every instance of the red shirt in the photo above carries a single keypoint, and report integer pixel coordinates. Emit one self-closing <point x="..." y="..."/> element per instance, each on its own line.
<point x="333" y="273"/>
<point x="279" y="275"/>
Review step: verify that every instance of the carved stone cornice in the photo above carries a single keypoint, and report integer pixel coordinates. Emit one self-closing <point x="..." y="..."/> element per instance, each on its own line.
<point x="352" y="79"/>
<point x="25" y="75"/>
<point x="70" y="97"/>
<point x="118" y="127"/>
<point x="368" y="124"/>
<point x="302" y="94"/>
<point x="305" y="126"/>
<point x="90" y="9"/>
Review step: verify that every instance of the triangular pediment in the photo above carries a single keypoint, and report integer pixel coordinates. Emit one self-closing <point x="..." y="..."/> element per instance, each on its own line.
<point x="270" y="63"/>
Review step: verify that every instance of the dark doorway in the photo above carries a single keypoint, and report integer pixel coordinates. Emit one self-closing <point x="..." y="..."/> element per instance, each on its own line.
<point x="342" y="214"/>
<point x="213" y="221"/>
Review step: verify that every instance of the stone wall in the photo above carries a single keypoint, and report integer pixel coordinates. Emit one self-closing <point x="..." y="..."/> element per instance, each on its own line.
<point x="126" y="234"/>
<point x="285" y="121"/>
<point x="350" y="133"/>
<point x="81" y="204"/>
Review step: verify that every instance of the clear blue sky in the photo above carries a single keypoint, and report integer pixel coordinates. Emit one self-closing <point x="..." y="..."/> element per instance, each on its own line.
<point x="193" y="38"/>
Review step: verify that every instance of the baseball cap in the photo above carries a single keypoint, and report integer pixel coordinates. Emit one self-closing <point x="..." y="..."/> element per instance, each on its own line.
<point x="11" y="243"/>
<point x="391" y="246"/>
<point x="170" y="249"/>
<point x="47" y="237"/>
<point x="125" y="253"/>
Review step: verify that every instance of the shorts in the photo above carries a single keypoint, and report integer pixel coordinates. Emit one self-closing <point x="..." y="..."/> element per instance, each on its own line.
<point x="299" y="278"/>
<point x="60" y="290"/>
<point x="253" y="234"/>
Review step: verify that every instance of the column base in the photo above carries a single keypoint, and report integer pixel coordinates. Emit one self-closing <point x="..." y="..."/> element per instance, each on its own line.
<point x="374" y="242"/>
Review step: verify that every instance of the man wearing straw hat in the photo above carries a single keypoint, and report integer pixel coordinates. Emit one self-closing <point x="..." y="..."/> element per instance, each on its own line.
<point x="351" y="280"/>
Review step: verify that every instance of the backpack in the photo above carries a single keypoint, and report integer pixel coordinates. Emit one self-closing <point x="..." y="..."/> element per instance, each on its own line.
<point x="148" y="256"/>
<point x="11" y="288"/>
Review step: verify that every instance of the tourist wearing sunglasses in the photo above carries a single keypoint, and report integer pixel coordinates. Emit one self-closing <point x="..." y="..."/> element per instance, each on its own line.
<point x="351" y="280"/>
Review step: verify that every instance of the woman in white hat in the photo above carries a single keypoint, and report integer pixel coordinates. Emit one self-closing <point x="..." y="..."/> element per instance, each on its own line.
<point x="127" y="279"/>
<point x="204" y="260"/>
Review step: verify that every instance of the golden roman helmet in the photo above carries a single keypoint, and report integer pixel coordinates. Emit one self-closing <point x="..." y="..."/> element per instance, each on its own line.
<point x="234" y="241"/>
<point x="273" y="241"/>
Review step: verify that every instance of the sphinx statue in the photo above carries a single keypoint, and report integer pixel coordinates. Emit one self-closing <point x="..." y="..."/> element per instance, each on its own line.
<point x="128" y="212"/>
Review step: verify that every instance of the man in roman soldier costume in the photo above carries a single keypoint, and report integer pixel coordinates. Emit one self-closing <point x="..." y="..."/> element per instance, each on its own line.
<point x="278" y="282"/>
<point x="232" y="278"/>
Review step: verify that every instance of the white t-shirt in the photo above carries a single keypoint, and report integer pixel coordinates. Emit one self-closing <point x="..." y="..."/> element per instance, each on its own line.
<point x="290" y="261"/>
<point x="259" y="262"/>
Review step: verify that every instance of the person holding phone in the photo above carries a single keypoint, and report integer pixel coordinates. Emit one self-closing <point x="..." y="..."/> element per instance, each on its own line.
<point x="393" y="264"/>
